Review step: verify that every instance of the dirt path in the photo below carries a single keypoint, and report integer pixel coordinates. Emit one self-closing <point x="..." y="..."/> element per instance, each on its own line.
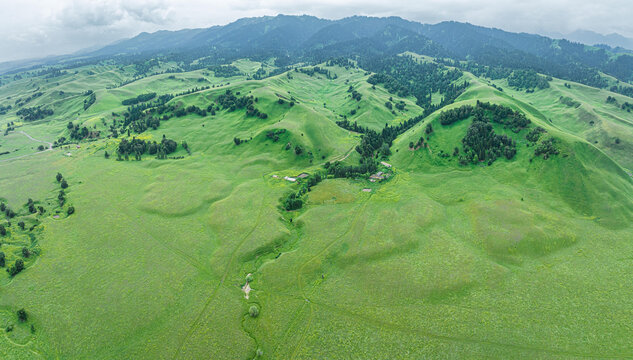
<point x="50" y="147"/>
<point x="207" y="305"/>
<point x="344" y="156"/>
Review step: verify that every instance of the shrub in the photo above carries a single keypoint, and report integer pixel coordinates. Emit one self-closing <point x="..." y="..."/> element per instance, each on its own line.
<point x="22" y="316"/>
<point x="71" y="210"/>
<point x="16" y="268"/>
<point x="64" y="184"/>
<point x="253" y="311"/>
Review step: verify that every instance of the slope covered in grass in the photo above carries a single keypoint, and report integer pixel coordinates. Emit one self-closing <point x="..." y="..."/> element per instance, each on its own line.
<point x="526" y="257"/>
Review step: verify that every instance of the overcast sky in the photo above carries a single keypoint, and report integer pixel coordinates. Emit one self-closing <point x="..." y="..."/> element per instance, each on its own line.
<point x="35" y="28"/>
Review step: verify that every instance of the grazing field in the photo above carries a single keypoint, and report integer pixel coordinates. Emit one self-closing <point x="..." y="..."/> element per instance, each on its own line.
<point x="522" y="258"/>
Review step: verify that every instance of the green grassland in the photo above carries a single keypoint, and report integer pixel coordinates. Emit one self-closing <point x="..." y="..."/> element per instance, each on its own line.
<point x="525" y="258"/>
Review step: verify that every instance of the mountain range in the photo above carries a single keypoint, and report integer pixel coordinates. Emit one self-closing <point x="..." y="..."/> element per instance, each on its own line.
<point x="308" y="38"/>
<point x="588" y="37"/>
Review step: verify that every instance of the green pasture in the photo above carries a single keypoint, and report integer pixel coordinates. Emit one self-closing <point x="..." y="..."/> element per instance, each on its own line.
<point x="527" y="258"/>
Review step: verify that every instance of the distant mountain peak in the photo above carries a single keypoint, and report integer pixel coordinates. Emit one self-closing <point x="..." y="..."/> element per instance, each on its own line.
<point x="590" y="37"/>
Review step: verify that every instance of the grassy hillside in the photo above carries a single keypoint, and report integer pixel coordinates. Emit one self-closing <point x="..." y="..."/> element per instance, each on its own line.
<point x="524" y="258"/>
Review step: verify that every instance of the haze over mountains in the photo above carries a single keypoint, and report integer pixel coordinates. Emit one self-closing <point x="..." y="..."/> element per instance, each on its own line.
<point x="589" y="37"/>
<point x="305" y="36"/>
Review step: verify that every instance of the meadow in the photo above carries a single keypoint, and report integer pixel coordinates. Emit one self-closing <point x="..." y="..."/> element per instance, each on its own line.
<point x="525" y="258"/>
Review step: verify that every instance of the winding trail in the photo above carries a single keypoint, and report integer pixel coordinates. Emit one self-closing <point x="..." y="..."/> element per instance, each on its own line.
<point x="50" y="147"/>
<point x="343" y="157"/>
<point x="207" y="305"/>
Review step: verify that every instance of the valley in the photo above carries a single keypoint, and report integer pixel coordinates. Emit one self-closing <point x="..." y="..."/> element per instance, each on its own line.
<point x="498" y="225"/>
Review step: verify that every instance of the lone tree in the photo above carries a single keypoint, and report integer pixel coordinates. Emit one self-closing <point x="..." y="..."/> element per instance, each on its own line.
<point x="2" y="259"/>
<point x="64" y="184"/>
<point x="26" y="252"/>
<point x="3" y="231"/>
<point x="22" y="316"/>
<point x="71" y="210"/>
<point x="21" y="225"/>
<point x="253" y="311"/>
<point x="59" y="177"/>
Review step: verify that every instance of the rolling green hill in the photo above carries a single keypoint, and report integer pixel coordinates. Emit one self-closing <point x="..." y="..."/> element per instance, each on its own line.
<point x="522" y="256"/>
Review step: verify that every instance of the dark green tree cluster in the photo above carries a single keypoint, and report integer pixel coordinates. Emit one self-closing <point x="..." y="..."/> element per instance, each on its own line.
<point x="225" y="71"/>
<point x="527" y="80"/>
<point x="9" y="214"/>
<point x="355" y="94"/>
<point x="376" y="144"/>
<point x="51" y="73"/>
<point x="61" y="197"/>
<point x="229" y="101"/>
<point x="493" y="72"/>
<point x="625" y="106"/>
<point x="146" y="115"/>
<point x="186" y="147"/>
<point x="418" y="144"/>
<point x="274" y="134"/>
<point x="566" y="100"/>
<point x="339" y="170"/>
<point x="514" y="120"/>
<point x="139" y="99"/>
<point x="262" y="73"/>
<point x="191" y="109"/>
<point x="23" y="101"/>
<point x="294" y="200"/>
<point x="481" y="143"/>
<point x="239" y="141"/>
<point x="138" y="147"/>
<point x="624" y="90"/>
<point x="5" y="109"/>
<point x="92" y="97"/>
<point x="16" y="268"/>
<point x="451" y="116"/>
<point x="535" y="134"/>
<point x="310" y="71"/>
<point x="485" y="111"/>
<point x="546" y="147"/>
<point x="31" y="206"/>
<point x="340" y="61"/>
<point x="77" y="133"/>
<point x="404" y="76"/>
<point x="34" y="113"/>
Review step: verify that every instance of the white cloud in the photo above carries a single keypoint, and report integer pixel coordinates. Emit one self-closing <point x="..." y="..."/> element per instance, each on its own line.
<point x="31" y="28"/>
